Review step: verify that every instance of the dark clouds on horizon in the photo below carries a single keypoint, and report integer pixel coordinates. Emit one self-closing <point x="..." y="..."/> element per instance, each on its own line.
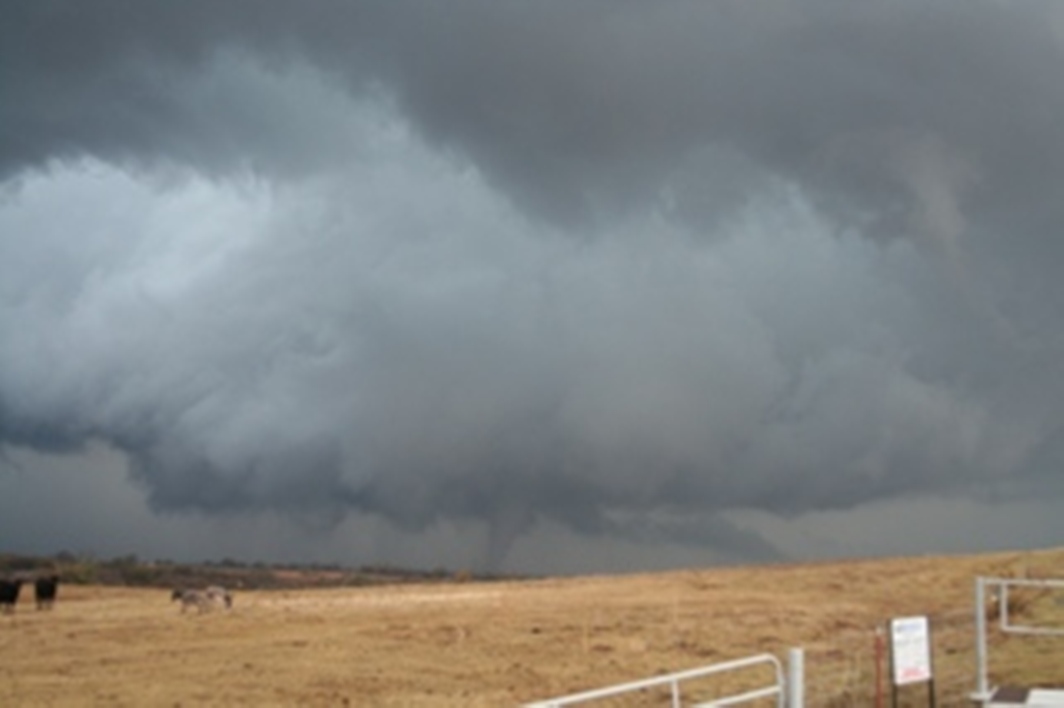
<point x="622" y="267"/>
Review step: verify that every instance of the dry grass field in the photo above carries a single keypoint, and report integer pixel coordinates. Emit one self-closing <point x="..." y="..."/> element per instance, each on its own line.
<point x="504" y="643"/>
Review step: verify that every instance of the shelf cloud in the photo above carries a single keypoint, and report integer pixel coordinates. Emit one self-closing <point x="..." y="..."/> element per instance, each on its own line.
<point x="626" y="269"/>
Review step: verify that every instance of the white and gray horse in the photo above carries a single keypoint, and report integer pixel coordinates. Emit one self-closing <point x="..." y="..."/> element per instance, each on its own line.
<point x="202" y="600"/>
<point x="219" y="594"/>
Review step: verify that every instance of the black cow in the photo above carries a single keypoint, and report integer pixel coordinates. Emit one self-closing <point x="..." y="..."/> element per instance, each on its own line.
<point x="9" y="590"/>
<point x="45" y="589"/>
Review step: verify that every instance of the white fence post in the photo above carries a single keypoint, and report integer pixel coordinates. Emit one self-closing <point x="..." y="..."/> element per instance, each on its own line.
<point x="982" y="690"/>
<point x="796" y="678"/>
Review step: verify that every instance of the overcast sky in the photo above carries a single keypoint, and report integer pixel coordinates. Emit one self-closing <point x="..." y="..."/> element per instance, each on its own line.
<point x="538" y="287"/>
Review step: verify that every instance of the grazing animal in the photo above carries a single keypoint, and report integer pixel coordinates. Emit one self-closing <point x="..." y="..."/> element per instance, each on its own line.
<point x="191" y="598"/>
<point x="218" y="593"/>
<point x="9" y="590"/>
<point x="44" y="590"/>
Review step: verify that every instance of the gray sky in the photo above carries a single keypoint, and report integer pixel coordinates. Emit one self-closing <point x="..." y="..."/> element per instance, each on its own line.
<point x="546" y="287"/>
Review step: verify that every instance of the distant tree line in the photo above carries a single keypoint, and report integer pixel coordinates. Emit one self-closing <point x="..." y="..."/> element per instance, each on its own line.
<point x="130" y="570"/>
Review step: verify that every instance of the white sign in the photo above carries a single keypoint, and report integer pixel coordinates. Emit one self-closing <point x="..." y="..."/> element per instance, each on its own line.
<point x="911" y="649"/>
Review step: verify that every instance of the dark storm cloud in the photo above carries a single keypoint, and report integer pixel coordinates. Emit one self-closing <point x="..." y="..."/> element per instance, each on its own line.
<point x="577" y="107"/>
<point x="510" y="261"/>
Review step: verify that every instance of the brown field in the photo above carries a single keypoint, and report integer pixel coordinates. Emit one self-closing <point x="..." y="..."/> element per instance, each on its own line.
<point x="504" y="643"/>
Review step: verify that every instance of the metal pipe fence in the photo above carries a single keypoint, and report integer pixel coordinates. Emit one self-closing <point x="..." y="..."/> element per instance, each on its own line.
<point x="673" y="681"/>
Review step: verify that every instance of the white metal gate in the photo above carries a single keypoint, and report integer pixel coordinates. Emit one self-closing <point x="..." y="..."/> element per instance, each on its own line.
<point x="983" y="692"/>
<point x="673" y="681"/>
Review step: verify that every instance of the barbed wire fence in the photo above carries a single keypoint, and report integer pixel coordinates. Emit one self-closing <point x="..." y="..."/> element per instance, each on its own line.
<point x="853" y="669"/>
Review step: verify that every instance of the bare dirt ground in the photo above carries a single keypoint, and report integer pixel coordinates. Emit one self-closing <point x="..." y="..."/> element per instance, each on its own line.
<point x="475" y="644"/>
